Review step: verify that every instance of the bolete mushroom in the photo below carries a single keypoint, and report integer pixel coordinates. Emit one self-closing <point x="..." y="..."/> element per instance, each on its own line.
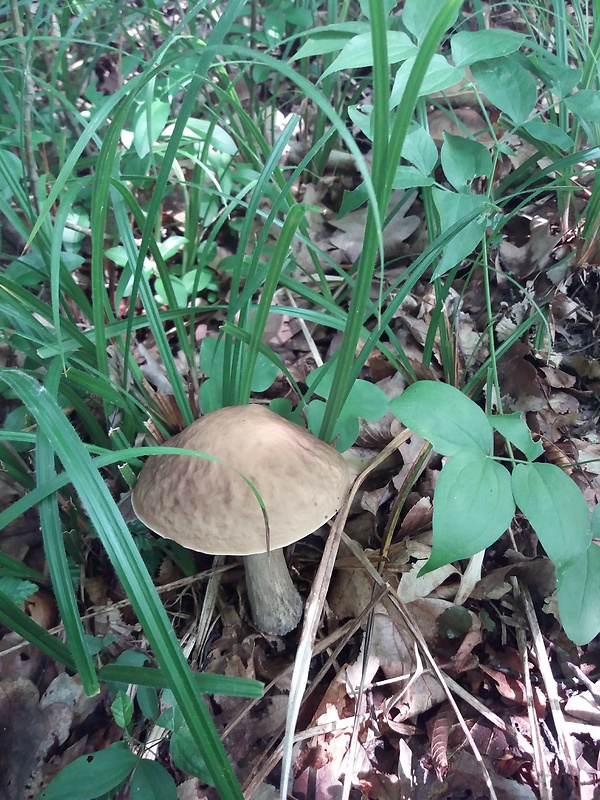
<point x="206" y="506"/>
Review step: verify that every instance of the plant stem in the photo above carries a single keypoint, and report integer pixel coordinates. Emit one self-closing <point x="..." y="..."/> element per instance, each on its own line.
<point x="31" y="169"/>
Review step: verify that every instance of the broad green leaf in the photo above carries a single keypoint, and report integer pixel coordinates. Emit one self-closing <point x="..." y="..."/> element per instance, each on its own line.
<point x="440" y="75"/>
<point x="558" y="77"/>
<point x="365" y="401"/>
<point x="514" y="428"/>
<point x="463" y="160"/>
<point x="201" y="130"/>
<point x="578" y="596"/>
<point x="471" y="46"/>
<point x="212" y="355"/>
<point x="212" y="362"/>
<point x="472" y="507"/>
<point x="548" y="132"/>
<point x="171" y="246"/>
<point x="419" y="15"/>
<point x="452" y="207"/>
<point x="410" y="177"/>
<point x="148" y="125"/>
<point x="92" y="775"/>
<point x="358" y="52"/>
<point x="585" y="104"/>
<point x="178" y="286"/>
<point x="151" y="781"/>
<point x="556" y="509"/>
<point x="365" y="7"/>
<point x="76" y="217"/>
<point x="420" y="150"/>
<point x="117" y="254"/>
<point x="507" y="85"/>
<point x="197" y="279"/>
<point x="445" y="417"/>
<point x="328" y="39"/>
<point x="596" y="522"/>
<point x="185" y="754"/>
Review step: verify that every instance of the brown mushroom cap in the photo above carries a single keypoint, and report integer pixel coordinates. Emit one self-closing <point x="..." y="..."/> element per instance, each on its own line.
<point x="206" y="506"/>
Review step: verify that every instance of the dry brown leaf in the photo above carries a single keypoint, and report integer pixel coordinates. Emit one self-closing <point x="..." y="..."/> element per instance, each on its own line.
<point x="352" y="228"/>
<point x="412" y="587"/>
<point x="468" y="123"/>
<point x="27" y="733"/>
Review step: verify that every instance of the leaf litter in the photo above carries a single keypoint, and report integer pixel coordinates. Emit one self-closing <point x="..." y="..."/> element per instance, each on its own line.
<point x="409" y="688"/>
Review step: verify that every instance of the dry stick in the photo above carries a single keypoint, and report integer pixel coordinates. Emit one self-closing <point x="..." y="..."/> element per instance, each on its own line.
<point x="178" y="584"/>
<point x="425" y="650"/>
<point x="414" y="629"/>
<point x="314" y="609"/>
<point x="543" y="775"/>
<point x="342" y="636"/>
<point x="564" y="740"/>
<point x="28" y="100"/>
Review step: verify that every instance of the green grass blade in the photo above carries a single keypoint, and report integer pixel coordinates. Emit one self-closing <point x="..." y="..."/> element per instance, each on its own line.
<point x="56" y="556"/>
<point x="131" y="571"/>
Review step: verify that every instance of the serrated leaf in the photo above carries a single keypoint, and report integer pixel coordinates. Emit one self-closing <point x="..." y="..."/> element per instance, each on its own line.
<point x="514" y="428"/>
<point x="471" y="46"/>
<point x="556" y="509"/>
<point x="445" y="417"/>
<point x="472" y="507"/>
<point x="151" y="781"/>
<point x="463" y="160"/>
<point x="578" y="593"/>
<point x="122" y="709"/>
<point x="17" y="589"/>
<point x="92" y="775"/>
<point x="508" y="85"/>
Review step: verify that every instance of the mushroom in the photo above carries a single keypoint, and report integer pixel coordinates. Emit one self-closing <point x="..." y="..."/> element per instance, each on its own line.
<point x="207" y="506"/>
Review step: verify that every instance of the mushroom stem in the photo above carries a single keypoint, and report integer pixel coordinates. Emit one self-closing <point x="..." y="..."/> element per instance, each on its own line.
<point x="275" y="603"/>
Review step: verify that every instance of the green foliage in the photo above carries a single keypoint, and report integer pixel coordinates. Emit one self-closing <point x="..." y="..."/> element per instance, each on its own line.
<point x="475" y="497"/>
<point x="17" y="590"/>
<point x="176" y="126"/>
<point x="93" y="775"/>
